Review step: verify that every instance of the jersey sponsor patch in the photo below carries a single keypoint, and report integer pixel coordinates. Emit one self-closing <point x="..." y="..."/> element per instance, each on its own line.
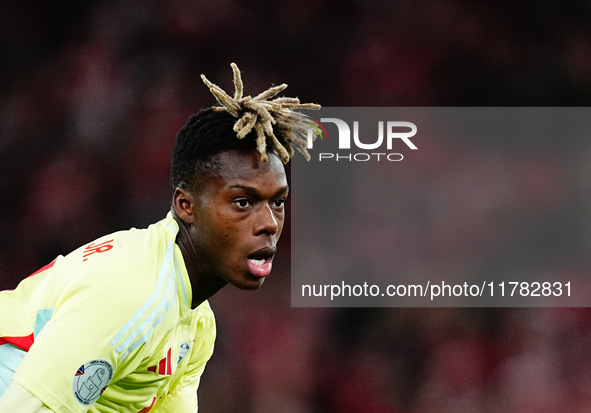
<point x="164" y="366"/>
<point x="91" y="379"/>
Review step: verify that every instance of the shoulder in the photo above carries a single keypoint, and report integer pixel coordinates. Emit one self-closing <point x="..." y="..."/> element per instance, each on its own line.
<point x="130" y="248"/>
<point x="126" y="271"/>
<point x="127" y="254"/>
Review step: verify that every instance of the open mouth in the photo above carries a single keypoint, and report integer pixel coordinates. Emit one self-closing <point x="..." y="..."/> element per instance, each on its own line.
<point x="257" y="262"/>
<point x="261" y="261"/>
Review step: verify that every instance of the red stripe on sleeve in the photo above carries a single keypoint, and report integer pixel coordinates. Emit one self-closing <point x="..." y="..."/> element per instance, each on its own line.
<point x="44" y="268"/>
<point x="40" y="270"/>
<point x="24" y="343"/>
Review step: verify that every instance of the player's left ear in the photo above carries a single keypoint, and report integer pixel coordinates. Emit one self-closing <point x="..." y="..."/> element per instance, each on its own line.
<point x="182" y="202"/>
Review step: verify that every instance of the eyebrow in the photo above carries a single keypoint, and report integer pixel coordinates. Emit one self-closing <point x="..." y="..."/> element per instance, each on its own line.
<point x="255" y="193"/>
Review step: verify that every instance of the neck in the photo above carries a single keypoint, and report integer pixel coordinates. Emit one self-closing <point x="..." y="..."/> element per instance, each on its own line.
<point x="203" y="284"/>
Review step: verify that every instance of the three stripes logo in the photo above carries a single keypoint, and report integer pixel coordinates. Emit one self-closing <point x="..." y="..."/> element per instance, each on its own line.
<point x="164" y="366"/>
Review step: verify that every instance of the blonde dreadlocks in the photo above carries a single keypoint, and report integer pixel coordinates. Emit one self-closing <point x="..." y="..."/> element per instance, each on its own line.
<point x="261" y="114"/>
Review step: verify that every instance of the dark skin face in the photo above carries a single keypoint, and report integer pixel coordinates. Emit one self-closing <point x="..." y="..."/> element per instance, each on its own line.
<point x="229" y="228"/>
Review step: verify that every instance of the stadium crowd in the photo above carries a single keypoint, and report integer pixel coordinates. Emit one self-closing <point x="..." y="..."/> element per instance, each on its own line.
<point x="93" y="93"/>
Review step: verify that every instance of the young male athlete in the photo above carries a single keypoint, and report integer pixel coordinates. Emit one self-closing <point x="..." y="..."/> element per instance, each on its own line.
<point x="122" y="324"/>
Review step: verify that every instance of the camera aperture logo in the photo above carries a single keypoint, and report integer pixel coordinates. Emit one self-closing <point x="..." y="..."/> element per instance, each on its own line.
<point x="389" y="136"/>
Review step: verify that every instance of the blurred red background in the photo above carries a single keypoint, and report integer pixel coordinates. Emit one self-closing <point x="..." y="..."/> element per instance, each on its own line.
<point x="91" y="97"/>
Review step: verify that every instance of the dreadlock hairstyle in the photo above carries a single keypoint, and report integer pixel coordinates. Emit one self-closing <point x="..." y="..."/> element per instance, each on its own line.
<point x="241" y="123"/>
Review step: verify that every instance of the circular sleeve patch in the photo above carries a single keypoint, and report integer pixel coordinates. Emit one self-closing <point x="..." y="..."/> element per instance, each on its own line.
<point x="91" y="380"/>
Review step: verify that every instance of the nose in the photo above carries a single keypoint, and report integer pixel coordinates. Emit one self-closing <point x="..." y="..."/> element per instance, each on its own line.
<point x="266" y="222"/>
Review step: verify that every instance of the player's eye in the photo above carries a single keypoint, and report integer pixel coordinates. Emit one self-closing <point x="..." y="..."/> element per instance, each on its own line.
<point x="242" y="203"/>
<point x="279" y="203"/>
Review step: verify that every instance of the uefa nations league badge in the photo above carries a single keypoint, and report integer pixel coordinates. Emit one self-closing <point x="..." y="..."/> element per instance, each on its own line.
<point x="91" y="380"/>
